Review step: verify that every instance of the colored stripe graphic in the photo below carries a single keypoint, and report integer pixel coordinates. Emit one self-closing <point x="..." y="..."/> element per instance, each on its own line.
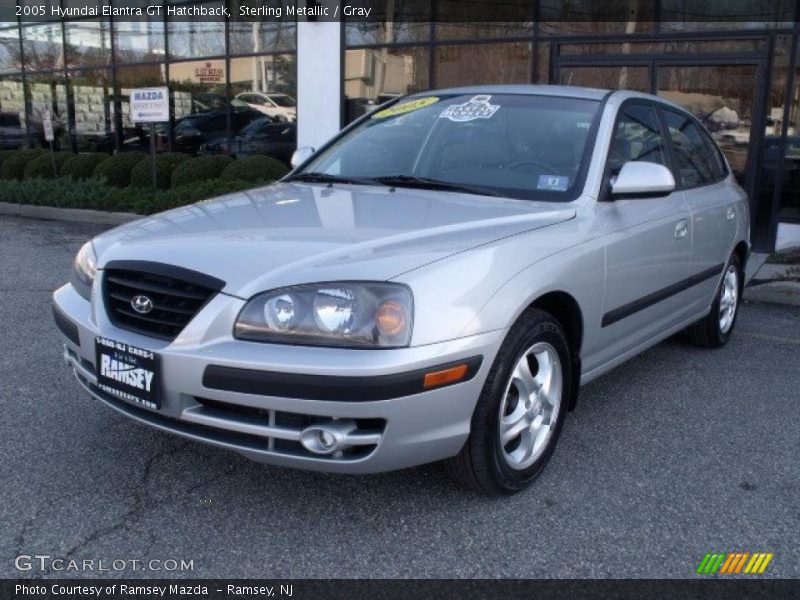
<point x="733" y="562"/>
<point x="711" y="563"/>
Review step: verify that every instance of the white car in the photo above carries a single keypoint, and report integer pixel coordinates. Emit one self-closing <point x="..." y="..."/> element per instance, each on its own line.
<point x="281" y="106"/>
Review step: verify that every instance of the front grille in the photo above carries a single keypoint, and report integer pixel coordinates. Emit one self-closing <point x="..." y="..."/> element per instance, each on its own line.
<point x="176" y="299"/>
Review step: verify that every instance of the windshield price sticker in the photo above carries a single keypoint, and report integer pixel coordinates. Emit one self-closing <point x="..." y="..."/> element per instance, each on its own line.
<point x="477" y="107"/>
<point x="555" y="183"/>
<point x="405" y="107"/>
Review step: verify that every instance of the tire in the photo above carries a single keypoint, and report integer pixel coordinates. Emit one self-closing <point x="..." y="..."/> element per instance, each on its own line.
<point x="715" y="329"/>
<point x="484" y="463"/>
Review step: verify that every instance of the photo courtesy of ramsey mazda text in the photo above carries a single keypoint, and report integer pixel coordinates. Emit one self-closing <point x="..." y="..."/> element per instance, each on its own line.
<point x="435" y="283"/>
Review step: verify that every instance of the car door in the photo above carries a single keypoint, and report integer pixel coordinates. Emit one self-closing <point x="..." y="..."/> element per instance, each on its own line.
<point x="649" y="241"/>
<point x="700" y="172"/>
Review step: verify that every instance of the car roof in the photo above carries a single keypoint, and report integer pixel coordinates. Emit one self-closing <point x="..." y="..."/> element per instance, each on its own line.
<point x="563" y="91"/>
<point x="559" y="91"/>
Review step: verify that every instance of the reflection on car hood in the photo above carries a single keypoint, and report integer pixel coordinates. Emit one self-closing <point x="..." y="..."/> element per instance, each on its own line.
<point x="292" y="233"/>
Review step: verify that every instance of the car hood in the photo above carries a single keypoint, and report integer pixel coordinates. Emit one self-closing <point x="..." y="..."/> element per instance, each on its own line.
<point x="291" y="233"/>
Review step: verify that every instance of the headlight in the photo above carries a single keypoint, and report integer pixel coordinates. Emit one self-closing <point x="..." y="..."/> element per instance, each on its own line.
<point x="356" y="315"/>
<point x="84" y="270"/>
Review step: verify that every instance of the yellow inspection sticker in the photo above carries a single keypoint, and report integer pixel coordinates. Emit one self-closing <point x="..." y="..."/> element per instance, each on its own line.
<point x="405" y="107"/>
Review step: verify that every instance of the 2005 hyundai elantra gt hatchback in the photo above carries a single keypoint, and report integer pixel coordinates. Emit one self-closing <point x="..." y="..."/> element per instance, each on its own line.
<point x="434" y="283"/>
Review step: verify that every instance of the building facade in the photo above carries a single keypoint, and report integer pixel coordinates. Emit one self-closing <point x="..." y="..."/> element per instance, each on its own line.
<point x="233" y="83"/>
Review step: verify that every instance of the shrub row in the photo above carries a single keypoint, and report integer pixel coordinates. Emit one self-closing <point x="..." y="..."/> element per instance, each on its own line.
<point x="173" y="169"/>
<point x="95" y="194"/>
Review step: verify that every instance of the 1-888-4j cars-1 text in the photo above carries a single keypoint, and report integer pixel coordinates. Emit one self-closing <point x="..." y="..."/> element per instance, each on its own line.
<point x="435" y="283"/>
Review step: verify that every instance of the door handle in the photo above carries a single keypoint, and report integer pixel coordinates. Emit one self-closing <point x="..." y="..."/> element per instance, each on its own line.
<point x="731" y="214"/>
<point x="681" y="229"/>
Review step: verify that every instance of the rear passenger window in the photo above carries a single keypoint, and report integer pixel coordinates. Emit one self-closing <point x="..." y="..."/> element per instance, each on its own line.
<point x="697" y="161"/>
<point x="637" y="138"/>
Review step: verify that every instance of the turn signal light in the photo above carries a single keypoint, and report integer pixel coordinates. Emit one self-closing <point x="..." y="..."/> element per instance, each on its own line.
<point x="390" y="318"/>
<point x="451" y="375"/>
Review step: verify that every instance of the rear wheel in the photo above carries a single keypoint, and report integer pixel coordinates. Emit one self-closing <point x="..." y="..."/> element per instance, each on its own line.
<point x="714" y="330"/>
<point x="521" y="410"/>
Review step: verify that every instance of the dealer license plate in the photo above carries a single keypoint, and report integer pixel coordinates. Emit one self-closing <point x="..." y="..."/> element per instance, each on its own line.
<point x="127" y="372"/>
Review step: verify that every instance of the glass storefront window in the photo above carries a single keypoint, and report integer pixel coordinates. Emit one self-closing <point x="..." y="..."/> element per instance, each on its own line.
<point x="139" y="41"/>
<point x="483" y="64"/>
<point x="678" y="15"/>
<point x="376" y="75"/>
<point x="607" y="78"/>
<point x="483" y="19"/>
<point x="666" y="47"/>
<point x="478" y="30"/>
<point x="200" y="104"/>
<point x="407" y="21"/>
<point x="542" y="75"/>
<point x="10" y="59"/>
<point x="256" y="35"/>
<point x="12" y="114"/>
<point x="586" y="17"/>
<point x="263" y="108"/>
<point x="42" y="47"/>
<point x="93" y="105"/>
<point x="788" y="155"/>
<point x="192" y="39"/>
<point x="47" y="91"/>
<point x="88" y="43"/>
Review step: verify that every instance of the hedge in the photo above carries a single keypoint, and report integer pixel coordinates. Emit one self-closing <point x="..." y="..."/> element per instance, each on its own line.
<point x="117" y="169"/>
<point x="142" y="175"/>
<point x="4" y="154"/>
<point x="13" y="166"/>
<point x="200" y="168"/>
<point x="81" y="166"/>
<point x="42" y="166"/>
<point x="95" y="194"/>
<point x="256" y="168"/>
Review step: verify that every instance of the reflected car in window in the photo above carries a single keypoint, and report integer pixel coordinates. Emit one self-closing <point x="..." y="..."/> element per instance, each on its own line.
<point x="12" y="134"/>
<point x="265" y="135"/>
<point x="435" y="283"/>
<point x="276" y="105"/>
<point x="192" y="131"/>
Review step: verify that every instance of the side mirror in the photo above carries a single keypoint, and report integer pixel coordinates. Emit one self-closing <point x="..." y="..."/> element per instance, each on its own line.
<point x="642" y="179"/>
<point x="301" y="155"/>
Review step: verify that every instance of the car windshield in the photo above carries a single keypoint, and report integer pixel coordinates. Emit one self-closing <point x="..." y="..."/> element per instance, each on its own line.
<point x="283" y="100"/>
<point x="522" y="146"/>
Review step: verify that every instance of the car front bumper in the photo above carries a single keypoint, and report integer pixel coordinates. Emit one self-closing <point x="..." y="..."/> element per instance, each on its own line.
<point x="219" y="390"/>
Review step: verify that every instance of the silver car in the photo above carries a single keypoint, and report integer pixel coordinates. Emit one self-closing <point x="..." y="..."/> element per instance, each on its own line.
<point x="435" y="283"/>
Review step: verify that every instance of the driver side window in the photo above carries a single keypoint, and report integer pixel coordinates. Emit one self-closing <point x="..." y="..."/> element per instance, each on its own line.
<point x="637" y="137"/>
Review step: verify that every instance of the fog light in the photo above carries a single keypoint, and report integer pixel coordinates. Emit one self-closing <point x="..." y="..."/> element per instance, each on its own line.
<point x="328" y="437"/>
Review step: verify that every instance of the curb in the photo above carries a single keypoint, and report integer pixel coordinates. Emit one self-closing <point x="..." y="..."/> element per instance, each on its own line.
<point x="78" y="215"/>
<point x="777" y="292"/>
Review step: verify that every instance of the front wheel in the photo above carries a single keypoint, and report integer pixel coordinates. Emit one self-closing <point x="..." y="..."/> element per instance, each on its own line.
<point x="521" y="410"/>
<point x="714" y="330"/>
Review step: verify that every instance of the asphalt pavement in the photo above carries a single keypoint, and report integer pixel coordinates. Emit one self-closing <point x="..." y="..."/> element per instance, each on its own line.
<point x="677" y="453"/>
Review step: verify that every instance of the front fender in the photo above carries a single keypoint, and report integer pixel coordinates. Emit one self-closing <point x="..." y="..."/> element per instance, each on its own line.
<point x="487" y="288"/>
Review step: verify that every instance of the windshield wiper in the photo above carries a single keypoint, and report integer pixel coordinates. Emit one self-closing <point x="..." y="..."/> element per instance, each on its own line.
<point x="434" y="184"/>
<point x="314" y="177"/>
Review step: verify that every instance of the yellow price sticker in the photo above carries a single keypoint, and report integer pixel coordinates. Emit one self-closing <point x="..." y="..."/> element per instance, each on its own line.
<point x="405" y="107"/>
